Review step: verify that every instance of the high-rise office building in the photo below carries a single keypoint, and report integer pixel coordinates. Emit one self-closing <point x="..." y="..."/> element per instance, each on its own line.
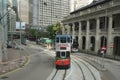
<point x="15" y="7"/>
<point x="36" y="9"/>
<point x="23" y="10"/>
<point x="47" y="12"/>
<point x="31" y="11"/>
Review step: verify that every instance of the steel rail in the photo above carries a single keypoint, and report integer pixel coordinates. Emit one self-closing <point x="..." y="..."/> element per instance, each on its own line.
<point x="87" y="68"/>
<point x="80" y="69"/>
<point x="54" y="75"/>
<point x="64" y="75"/>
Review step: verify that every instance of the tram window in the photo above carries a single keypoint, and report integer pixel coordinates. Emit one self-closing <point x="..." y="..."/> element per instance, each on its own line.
<point x="63" y="40"/>
<point x="68" y="39"/>
<point x="63" y="54"/>
<point x="58" y="54"/>
<point x="67" y="54"/>
<point x="71" y="40"/>
<point x="57" y="40"/>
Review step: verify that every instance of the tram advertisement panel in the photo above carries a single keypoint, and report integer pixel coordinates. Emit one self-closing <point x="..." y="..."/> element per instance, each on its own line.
<point x="63" y="47"/>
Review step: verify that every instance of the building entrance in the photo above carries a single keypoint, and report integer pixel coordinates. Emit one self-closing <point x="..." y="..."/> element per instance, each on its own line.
<point x="116" y="48"/>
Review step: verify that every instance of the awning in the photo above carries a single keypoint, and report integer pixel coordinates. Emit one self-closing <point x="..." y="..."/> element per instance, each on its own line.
<point x="49" y="41"/>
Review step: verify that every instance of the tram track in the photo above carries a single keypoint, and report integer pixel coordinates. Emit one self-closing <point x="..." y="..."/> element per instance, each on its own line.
<point x="90" y="71"/>
<point x="59" y="75"/>
<point x="80" y="69"/>
<point x="85" y="69"/>
<point x="54" y="75"/>
<point x="64" y="75"/>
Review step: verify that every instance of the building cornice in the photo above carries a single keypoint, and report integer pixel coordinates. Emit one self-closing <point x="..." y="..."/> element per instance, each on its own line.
<point x="96" y="10"/>
<point x="90" y="5"/>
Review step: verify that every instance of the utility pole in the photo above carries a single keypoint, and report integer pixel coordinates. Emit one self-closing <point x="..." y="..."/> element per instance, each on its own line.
<point x="4" y="32"/>
<point x="1" y="40"/>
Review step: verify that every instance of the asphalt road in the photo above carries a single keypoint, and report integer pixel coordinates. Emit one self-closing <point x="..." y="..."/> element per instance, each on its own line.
<point x="39" y="67"/>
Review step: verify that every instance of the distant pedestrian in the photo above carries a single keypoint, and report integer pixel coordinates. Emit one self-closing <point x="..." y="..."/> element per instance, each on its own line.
<point x="102" y="52"/>
<point x="98" y="51"/>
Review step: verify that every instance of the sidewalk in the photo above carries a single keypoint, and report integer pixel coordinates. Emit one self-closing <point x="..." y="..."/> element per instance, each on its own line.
<point x="15" y="60"/>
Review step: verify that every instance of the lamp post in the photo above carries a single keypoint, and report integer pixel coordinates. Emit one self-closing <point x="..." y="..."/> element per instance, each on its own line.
<point x="20" y="28"/>
<point x="1" y="40"/>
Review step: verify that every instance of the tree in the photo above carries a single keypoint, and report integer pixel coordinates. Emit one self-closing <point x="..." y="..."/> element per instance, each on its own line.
<point x="43" y="34"/>
<point x="51" y="31"/>
<point x="58" y="28"/>
<point x="34" y="32"/>
<point x="54" y="29"/>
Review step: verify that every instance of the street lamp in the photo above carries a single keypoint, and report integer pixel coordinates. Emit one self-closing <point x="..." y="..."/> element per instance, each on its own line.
<point x="20" y="29"/>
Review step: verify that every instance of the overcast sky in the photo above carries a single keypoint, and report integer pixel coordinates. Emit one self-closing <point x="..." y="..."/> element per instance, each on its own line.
<point x="79" y="3"/>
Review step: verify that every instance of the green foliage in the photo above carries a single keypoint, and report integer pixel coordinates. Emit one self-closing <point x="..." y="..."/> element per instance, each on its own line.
<point x="58" y="28"/>
<point x="51" y="32"/>
<point x="34" y="32"/>
<point x="54" y="29"/>
<point x="43" y="34"/>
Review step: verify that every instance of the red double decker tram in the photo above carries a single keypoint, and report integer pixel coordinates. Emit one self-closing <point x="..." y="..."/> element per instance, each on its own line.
<point x="63" y="50"/>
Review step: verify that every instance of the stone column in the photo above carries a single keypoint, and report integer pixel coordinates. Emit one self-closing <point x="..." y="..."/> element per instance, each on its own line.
<point x="87" y="36"/>
<point x="110" y="39"/>
<point x="73" y="30"/>
<point x="97" y="37"/>
<point x="63" y="29"/>
<point x="1" y="41"/>
<point x="80" y="36"/>
<point x="68" y="29"/>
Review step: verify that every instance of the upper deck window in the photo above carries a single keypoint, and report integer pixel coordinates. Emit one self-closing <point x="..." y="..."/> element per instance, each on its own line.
<point x="63" y="40"/>
<point x="57" y="40"/>
<point x="68" y="39"/>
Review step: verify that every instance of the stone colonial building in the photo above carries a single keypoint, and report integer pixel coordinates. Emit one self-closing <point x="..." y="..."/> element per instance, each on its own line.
<point x="96" y="25"/>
